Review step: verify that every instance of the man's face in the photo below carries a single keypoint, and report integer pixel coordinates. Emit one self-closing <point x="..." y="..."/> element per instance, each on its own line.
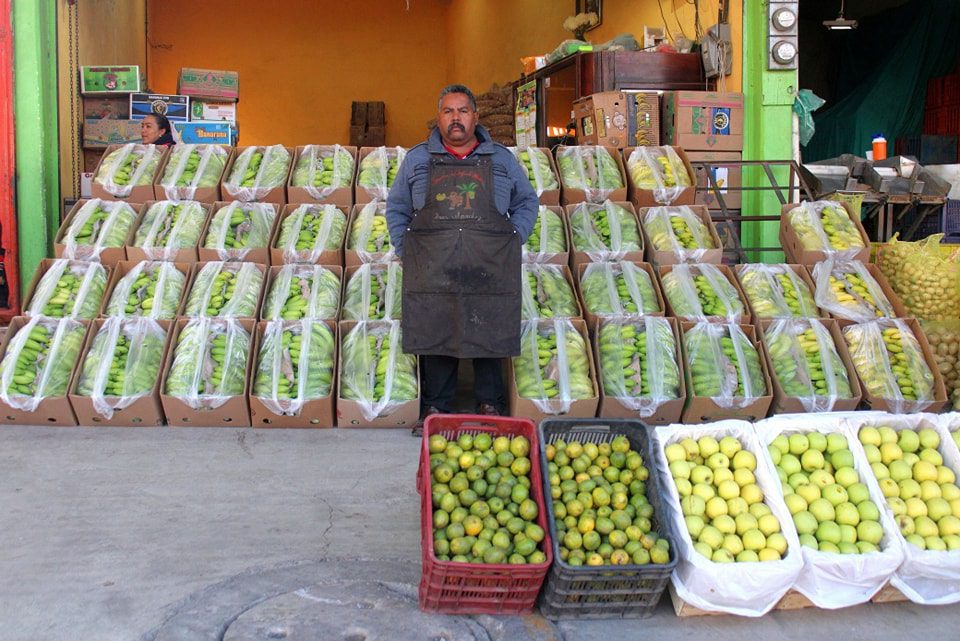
<point x="457" y="120"/>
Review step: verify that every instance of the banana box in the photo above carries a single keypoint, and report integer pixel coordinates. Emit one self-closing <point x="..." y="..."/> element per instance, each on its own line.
<point x="282" y="253"/>
<point x="340" y="196"/>
<point x="656" y="256"/>
<point x="125" y="266"/>
<point x="593" y="317"/>
<point x="794" y="249"/>
<point x="192" y="282"/>
<point x="109" y="256"/>
<point x="680" y="190"/>
<point x="580" y="255"/>
<point x="273" y="275"/>
<point x="182" y="255"/>
<point x="367" y="239"/>
<point x="743" y="316"/>
<point x="259" y="253"/>
<point x="570" y="195"/>
<point x="134" y="193"/>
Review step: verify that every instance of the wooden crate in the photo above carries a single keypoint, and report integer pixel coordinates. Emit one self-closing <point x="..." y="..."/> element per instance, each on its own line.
<point x="792" y="600"/>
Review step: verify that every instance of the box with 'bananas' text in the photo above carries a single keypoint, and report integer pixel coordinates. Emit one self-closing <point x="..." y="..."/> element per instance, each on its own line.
<point x="618" y="119"/>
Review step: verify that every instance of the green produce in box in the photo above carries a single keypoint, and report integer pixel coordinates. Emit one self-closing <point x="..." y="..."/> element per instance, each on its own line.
<point x="537" y="165"/>
<point x="151" y="289"/>
<point x="545" y="293"/>
<point x="547" y="239"/>
<point x="295" y="365"/>
<point x="323" y="168"/>
<point x="374" y="371"/>
<point x="69" y="289"/>
<point x="309" y="231"/>
<point x="209" y="363"/>
<point x="369" y="233"/>
<point x="192" y="167"/>
<point x="724" y="365"/>
<point x="776" y="291"/>
<point x="239" y="227"/>
<point x="806" y="363"/>
<point x="591" y="169"/>
<point x="97" y="225"/>
<point x="698" y="291"/>
<point x="127" y="167"/>
<point x="225" y="290"/>
<point x="303" y="291"/>
<point x="38" y="362"/>
<point x="618" y="289"/>
<point x="638" y="362"/>
<point x="553" y="368"/>
<point x="374" y="292"/>
<point x="604" y="232"/>
<point x="168" y="227"/>
<point x="256" y="171"/>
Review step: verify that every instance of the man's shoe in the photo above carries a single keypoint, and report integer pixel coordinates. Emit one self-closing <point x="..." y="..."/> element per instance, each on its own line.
<point x="418" y="426"/>
<point x="488" y="409"/>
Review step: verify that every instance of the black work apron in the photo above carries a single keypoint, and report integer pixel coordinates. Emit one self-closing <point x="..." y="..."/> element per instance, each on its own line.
<point x="461" y="268"/>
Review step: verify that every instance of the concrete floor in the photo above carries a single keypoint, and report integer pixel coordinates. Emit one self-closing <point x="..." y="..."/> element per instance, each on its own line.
<point x="105" y="532"/>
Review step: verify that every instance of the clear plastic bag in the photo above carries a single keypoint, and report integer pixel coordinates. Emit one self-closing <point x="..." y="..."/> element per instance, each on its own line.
<point x="776" y="291"/>
<point x="806" y="363"/>
<point x="538" y="168"/>
<point x="548" y="238"/>
<point x="724" y="365"/>
<point x="591" y="169"/>
<point x="256" y="171"/>
<point x="378" y="169"/>
<point x="191" y="167"/>
<point x="149" y="289"/>
<point x="553" y="368"/>
<point x="122" y="364"/>
<point x="925" y="275"/>
<point x="127" y="167"/>
<point x="605" y="231"/>
<point x="618" y="289"/>
<point x="678" y="230"/>
<point x="825" y="225"/>
<point x="168" y="226"/>
<point x="295" y="365"/>
<point x="39" y="360"/>
<point x="225" y="290"/>
<point x="545" y="293"/>
<point x="847" y="290"/>
<point x="944" y="340"/>
<point x="374" y="292"/>
<point x="638" y="362"/>
<point x="238" y="228"/>
<point x="660" y="170"/>
<point x="311" y="230"/>
<point x="374" y="371"/>
<point x="322" y="169"/>
<point x="699" y="291"/>
<point x="303" y="291"/>
<point x="209" y="363"/>
<point x="69" y="289"/>
<point x="97" y="225"/>
<point x="890" y="363"/>
<point x="369" y="235"/>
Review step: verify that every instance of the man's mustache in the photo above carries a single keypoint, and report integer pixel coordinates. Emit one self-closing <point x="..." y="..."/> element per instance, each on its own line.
<point x="455" y="126"/>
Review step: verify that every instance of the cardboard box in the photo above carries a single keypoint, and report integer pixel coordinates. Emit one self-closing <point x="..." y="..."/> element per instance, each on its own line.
<point x="316" y="413"/>
<point x="568" y="277"/>
<point x="550" y="196"/>
<point x="353" y="257"/>
<point x="175" y="108"/>
<point x="42" y="269"/>
<point x="101" y="133"/>
<point x="54" y="410"/>
<point x="207" y="83"/>
<point x="783" y="404"/>
<point x="899" y="311"/>
<point x="233" y="413"/>
<point x="743" y="318"/>
<point x="191" y="281"/>
<point x="703" y="120"/>
<point x="327" y="257"/>
<point x="578" y="257"/>
<point x="349" y="413"/>
<point x="794" y="250"/>
<point x="259" y="255"/>
<point x="205" y="132"/>
<point x="211" y="110"/>
<point x="665" y="257"/>
<point x="274" y="272"/>
<point x="667" y="413"/>
<point x="592" y="319"/>
<point x="341" y="197"/>
<point x="801" y="273"/>
<point x="110" y="79"/>
<point x="108" y="255"/>
<point x="570" y="196"/>
<point x="727" y="178"/>
<point x="579" y="408"/>
<point x="562" y="258"/>
<point x="277" y="195"/>
<point x="138" y="193"/>
<point x="701" y="409"/>
<point x="106" y="107"/>
<point x="206" y="195"/>
<point x="187" y="255"/>
<point x="618" y="119"/>
<point x="91" y="158"/>
<point x="648" y="197"/>
<point x="361" y="195"/>
<point x="145" y="411"/>
<point x="123" y="268"/>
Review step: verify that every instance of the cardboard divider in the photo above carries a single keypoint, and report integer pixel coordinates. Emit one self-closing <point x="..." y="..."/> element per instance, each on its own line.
<point x="326" y="257"/>
<point x="349" y="413"/>
<point x="145" y="411"/>
<point x="138" y="193"/>
<point x="360" y="195"/>
<point x="646" y="197"/>
<point x="743" y="318"/>
<point x="192" y="278"/>
<point x="568" y="276"/>
<point x="341" y="197"/>
<point x="666" y="413"/>
<point x="277" y="195"/>
<point x="259" y="255"/>
<point x="668" y="257"/>
<point x="592" y="319"/>
<point x="352" y="257"/>
<point x="572" y="196"/>
<point x="186" y="255"/>
<point x="42" y="269"/>
<point x="562" y="258"/>
<point x="794" y="250"/>
<point x="123" y="268"/>
<point x="271" y="276"/>
<point x="206" y="195"/>
<point x="235" y="412"/>
<point x="700" y="409"/>
<point x="578" y="257"/>
<point x="108" y="255"/>
<point x="315" y="413"/>
<point x="899" y="311"/>
<point x="801" y="273"/>
<point x="783" y="404"/>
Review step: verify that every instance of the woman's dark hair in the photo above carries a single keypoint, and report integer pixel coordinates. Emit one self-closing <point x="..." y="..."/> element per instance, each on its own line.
<point x="163" y="123"/>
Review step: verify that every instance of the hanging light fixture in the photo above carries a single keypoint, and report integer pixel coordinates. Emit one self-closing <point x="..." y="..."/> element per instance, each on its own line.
<point x="840" y="23"/>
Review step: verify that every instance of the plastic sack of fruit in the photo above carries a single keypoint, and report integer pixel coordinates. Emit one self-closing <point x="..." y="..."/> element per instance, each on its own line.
<point x="127" y="167"/>
<point x="378" y="169"/>
<point x="240" y="227"/>
<point x="618" y="289"/>
<point x="122" y="364"/>
<point x="369" y="235"/>
<point x="678" y="230"/>
<point x="605" y="231"/>
<point x="724" y="365"/>
<point x="825" y="225"/>
<point x="660" y="170"/>
<point x="374" y="371"/>
<point x="553" y="368"/>
<point x="944" y="340"/>
<point x="322" y="169"/>
<point x="699" y="291"/>
<point x="806" y="363"/>
<point x="847" y="290"/>
<point x="256" y="171"/>
<point x="302" y="291"/>
<point x="39" y="360"/>
<point x="225" y="290"/>
<point x="638" y="362"/>
<point x="831" y="579"/>
<point x="890" y="363"/>
<point x="591" y="169"/>
<point x="295" y="365"/>
<point x="69" y="289"/>
<point x="209" y="362"/>
<point x="149" y="289"/>
<point x="168" y="226"/>
<point x="548" y="238"/>
<point x="311" y="230"/>
<point x="97" y="225"/>
<point x="928" y="279"/>
<point x="537" y="166"/>
<point x="373" y="292"/>
<point x="776" y="291"/>
<point x="744" y="589"/>
<point x="190" y="167"/>
<point x="545" y="293"/>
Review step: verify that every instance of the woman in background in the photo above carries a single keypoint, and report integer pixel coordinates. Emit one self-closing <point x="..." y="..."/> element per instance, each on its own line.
<point x="155" y="130"/>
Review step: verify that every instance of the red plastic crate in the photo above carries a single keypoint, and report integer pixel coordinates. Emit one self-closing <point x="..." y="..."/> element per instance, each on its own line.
<point x="948" y="120"/>
<point x="472" y="588"/>
<point x="951" y="90"/>
<point x="934" y="93"/>
<point x="930" y="121"/>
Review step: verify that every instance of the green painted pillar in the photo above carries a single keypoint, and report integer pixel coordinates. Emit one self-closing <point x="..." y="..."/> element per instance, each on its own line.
<point x="768" y="128"/>
<point x="35" y="118"/>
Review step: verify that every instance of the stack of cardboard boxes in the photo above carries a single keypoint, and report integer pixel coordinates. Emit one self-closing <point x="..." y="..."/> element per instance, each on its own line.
<point x="105" y="92"/>
<point x="213" y="106"/>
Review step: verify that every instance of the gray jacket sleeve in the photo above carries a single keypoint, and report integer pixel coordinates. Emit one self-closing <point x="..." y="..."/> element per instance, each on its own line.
<point x="524" y="203"/>
<point x="399" y="210"/>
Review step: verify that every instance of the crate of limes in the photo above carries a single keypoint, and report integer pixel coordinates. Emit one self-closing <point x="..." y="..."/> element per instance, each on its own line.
<point x="484" y="538"/>
<point x="613" y="555"/>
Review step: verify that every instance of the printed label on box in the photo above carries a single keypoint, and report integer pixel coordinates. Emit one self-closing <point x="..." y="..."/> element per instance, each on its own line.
<point x="101" y="133"/>
<point x="203" y="110"/>
<point x="210" y="133"/>
<point x="210" y="83"/>
<point x="109" y="79"/>
<point x="710" y="121"/>
<point x="175" y="108"/>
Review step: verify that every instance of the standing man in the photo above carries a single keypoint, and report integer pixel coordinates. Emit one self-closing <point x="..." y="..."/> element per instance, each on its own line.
<point x="459" y="212"/>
